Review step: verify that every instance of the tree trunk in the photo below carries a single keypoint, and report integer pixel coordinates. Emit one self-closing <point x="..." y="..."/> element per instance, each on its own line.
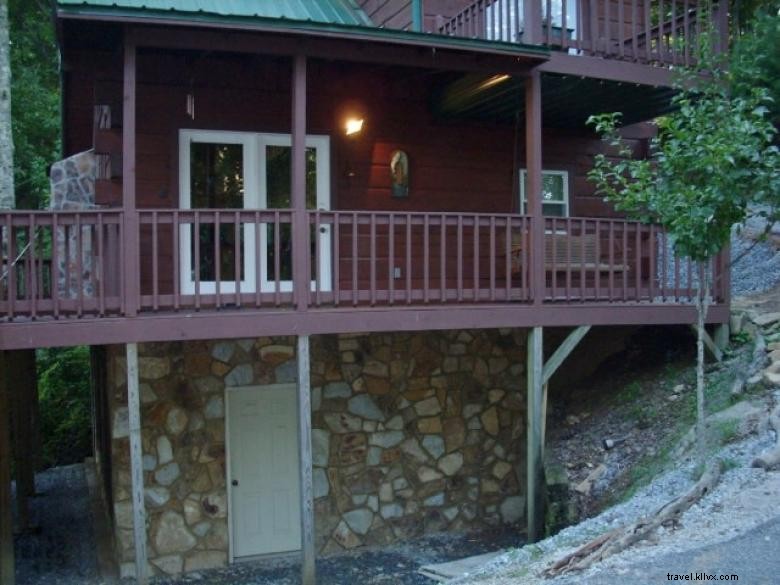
<point x="702" y="306"/>
<point x="6" y="135"/>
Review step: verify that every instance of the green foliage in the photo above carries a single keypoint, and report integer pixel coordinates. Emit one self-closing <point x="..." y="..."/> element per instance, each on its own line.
<point x="35" y="99"/>
<point x="65" y="402"/>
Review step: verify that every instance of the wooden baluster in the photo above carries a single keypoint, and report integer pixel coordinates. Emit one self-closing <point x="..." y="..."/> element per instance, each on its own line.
<point x="554" y="258"/>
<point x="564" y="26"/>
<point x="408" y="258"/>
<point x="661" y="36"/>
<point x="460" y="258"/>
<point x="638" y="253"/>
<point x="237" y="255"/>
<point x="476" y="259"/>
<point x="277" y="257"/>
<point x="653" y="268"/>
<point x="391" y="257"/>
<point x="155" y="264"/>
<point x="625" y="260"/>
<point x="336" y="258"/>
<point x="443" y="260"/>
<point x="673" y="32"/>
<point x="354" y="259"/>
<point x="611" y="261"/>
<point x="508" y="257"/>
<point x="634" y="39"/>
<point x="583" y="228"/>
<point x="648" y="37"/>
<point x="79" y="267"/>
<point x="175" y="248"/>
<point x="217" y="260"/>
<point x="55" y="265"/>
<point x="621" y="23"/>
<point x="568" y="259"/>
<point x="372" y="258"/>
<point x="686" y="34"/>
<point x="492" y="258"/>
<point x="597" y="268"/>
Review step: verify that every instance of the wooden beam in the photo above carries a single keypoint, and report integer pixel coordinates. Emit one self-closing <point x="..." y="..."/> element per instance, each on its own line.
<point x="721" y="336"/>
<point x="607" y="69"/>
<point x="710" y="345"/>
<point x="300" y="230"/>
<point x="533" y="164"/>
<point x="136" y="464"/>
<point x="563" y="351"/>
<point x="7" y="569"/>
<point x="308" y="576"/>
<point x="535" y="471"/>
<point x="132" y="251"/>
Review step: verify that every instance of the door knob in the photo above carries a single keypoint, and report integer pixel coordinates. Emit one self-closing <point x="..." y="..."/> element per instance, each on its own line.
<point x="323" y="230"/>
<point x="234" y="482"/>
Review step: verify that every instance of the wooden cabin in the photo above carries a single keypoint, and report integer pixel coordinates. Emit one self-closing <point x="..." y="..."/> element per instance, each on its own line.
<point x="315" y="246"/>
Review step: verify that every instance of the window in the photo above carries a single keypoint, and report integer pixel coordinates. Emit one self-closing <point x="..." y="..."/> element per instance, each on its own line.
<point x="243" y="170"/>
<point x="555" y="193"/>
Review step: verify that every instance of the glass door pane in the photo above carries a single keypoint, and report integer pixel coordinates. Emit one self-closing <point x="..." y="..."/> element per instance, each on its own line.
<point x="278" y="161"/>
<point x="216" y="182"/>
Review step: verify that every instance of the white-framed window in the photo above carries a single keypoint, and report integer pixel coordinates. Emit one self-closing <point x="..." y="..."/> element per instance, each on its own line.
<point x="555" y="193"/>
<point x="246" y="170"/>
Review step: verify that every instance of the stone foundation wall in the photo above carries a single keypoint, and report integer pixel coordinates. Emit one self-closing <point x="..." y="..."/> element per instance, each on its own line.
<point x="412" y="433"/>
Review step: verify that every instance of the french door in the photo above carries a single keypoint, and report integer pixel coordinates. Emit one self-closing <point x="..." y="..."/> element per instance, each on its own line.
<point x="243" y="170"/>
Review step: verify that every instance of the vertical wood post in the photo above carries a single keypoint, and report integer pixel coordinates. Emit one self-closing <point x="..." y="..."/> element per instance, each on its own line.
<point x="300" y="230"/>
<point x="533" y="191"/>
<point x="130" y="257"/>
<point x="532" y="23"/>
<point x="21" y="367"/>
<point x="304" y="438"/>
<point x="535" y="511"/>
<point x="136" y="464"/>
<point x="7" y="569"/>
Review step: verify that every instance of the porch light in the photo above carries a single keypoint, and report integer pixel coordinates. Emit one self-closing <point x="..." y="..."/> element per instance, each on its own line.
<point x="353" y="126"/>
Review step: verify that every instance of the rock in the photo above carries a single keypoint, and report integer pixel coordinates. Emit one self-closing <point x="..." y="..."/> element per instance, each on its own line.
<point x="147" y="394"/>
<point x="167" y="474"/>
<point x="374" y="456"/>
<point x="149" y="462"/>
<point x="123" y="514"/>
<point x="215" y="408"/>
<point x="774" y="346"/>
<point x="287" y="372"/>
<point x="386" y="439"/>
<point x="172" y="535"/>
<point x="766" y="319"/>
<point x="454" y="433"/>
<point x="120" y="428"/>
<point x="277" y="354"/>
<point x="359" y="520"/>
<point x="164" y="450"/>
<point x="192" y="511"/>
<point x="451" y="464"/>
<point x="495" y="395"/>
<point x="215" y="505"/>
<point x="428" y="407"/>
<point x="500" y="469"/>
<point x="208" y="385"/>
<point x="586" y="485"/>
<point x="176" y="421"/>
<point x="426" y="474"/>
<point x="343" y="423"/>
<point x="156" y="496"/>
<point x="774" y="355"/>
<point x="376" y="368"/>
<point x="489" y="420"/>
<point x="737" y="388"/>
<point x="412" y="448"/>
<point x="434" y="500"/>
<point x="320" y="447"/>
<point x="153" y="368"/>
<point x="170" y="565"/>
<point x="434" y="444"/>
<point x="429" y="425"/>
<point x="316" y="398"/>
<point x="223" y="351"/>
<point x="512" y="509"/>
<point x="241" y="375"/>
<point x="673" y="397"/>
<point x="206" y="559"/>
<point x="391" y="511"/>
<point x="320" y="481"/>
<point x="678" y="389"/>
<point x="364" y="406"/>
<point x="396" y="423"/>
<point x="345" y="537"/>
<point x="471" y="409"/>
<point x="337" y="390"/>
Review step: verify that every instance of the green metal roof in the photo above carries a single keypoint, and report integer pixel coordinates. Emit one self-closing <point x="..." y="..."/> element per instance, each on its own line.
<point x="345" y="12"/>
<point x="333" y="17"/>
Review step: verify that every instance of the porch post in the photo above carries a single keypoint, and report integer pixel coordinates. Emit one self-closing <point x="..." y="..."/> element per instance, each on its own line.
<point x="532" y="22"/>
<point x="306" y="482"/>
<point x="7" y="569"/>
<point x="533" y="176"/>
<point x="136" y="464"/>
<point x="300" y="229"/>
<point x="22" y="374"/>
<point x="131" y="254"/>
<point x="535" y="506"/>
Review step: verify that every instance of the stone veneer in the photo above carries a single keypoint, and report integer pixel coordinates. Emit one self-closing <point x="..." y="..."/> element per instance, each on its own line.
<point x="412" y="433"/>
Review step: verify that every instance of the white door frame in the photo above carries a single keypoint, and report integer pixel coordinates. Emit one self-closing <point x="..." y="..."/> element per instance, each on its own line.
<point x="255" y="197"/>
<point x="291" y="387"/>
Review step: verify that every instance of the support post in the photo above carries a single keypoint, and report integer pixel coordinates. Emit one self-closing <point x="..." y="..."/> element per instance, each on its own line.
<point x="7" y="569"/>
<point x="136" y="464"/>
<point x="533" y="177"/>
<point x="417" y="15"/>
<point x="721" y="336"/>
<point x="532" y="22"/>
<point x="130" y="273"/>
<point x="535" y="506"/>
<point x="308" y="576"/>
<point x="22" y="374"/>
<point x="300" y="230"/>
<point x="710" y="345"/>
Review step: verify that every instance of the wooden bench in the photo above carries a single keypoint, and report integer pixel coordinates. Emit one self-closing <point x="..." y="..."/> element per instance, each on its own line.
<point x="559" y="256"/>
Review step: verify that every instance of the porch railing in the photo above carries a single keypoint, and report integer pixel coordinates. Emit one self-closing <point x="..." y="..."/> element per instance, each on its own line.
<point x="659" y="32"/>
<point x="72" y="264"/>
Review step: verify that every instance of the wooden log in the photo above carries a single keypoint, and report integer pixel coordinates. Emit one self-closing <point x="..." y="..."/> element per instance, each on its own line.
<point x="6" y="518"/>
<point x="620" y="539"/>
<point x="535" y="472"/>
<point x="308" y="576"/>
<point x="136" y="464"/>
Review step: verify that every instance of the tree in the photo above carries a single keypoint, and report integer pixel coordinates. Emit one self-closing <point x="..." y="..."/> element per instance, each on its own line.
<point x="6" y="137"/>
<point x="712" y="159"/>
<point x="36" y="103"/>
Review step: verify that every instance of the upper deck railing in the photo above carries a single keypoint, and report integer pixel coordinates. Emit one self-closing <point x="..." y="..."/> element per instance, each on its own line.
<point x="653" y="32"/>
<point x="72" y="265"/>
